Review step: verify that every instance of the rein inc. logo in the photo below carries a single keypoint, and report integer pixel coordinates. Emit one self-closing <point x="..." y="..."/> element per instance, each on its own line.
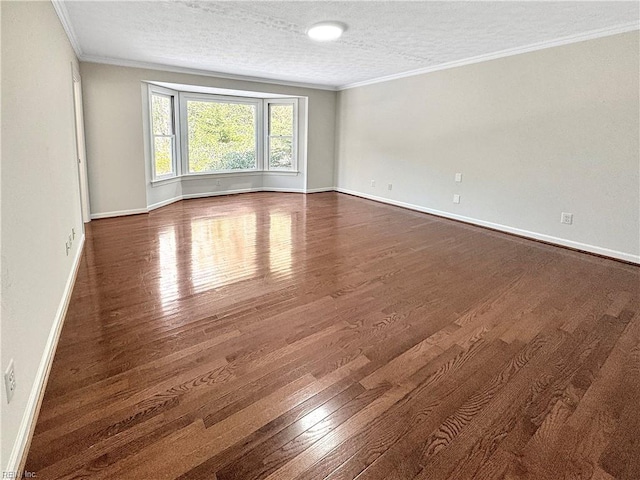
<point x="25" y="474"/>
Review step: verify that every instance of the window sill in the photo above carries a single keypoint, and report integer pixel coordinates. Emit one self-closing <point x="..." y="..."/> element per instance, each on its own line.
<point x="165" y="181"/>
<point x="205" y="176"/>
<point x="286" y="173"/>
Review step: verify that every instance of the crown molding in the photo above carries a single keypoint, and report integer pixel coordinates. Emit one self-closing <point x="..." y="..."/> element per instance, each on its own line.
<point x="61" y="11"/>
<point x="604" y="32"/>
<point x="63" y="15"/>
<point x="194" y="71"/>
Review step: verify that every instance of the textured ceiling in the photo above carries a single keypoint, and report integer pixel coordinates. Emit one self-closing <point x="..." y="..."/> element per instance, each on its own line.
<point x="267" y="39"/>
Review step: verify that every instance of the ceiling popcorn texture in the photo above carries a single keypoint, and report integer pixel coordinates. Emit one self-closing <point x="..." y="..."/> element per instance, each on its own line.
<point x="267" y="39"/>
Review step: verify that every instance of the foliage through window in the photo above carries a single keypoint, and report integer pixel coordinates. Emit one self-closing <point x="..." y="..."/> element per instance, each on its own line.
<point x="221" y="136"/>
<point x="163" y="134"/>
<point x="281" y="134"/>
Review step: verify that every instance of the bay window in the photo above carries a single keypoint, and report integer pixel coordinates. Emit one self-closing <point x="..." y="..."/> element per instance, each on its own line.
<point x="199" y="134"/>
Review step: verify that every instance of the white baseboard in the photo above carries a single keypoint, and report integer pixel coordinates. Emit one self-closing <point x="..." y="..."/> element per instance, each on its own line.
<point x="154" y="206"/>
<point x="164" y="203"/>
<point x="30" y="415"/>
<point x="627" y="257"/>
<point x="187" y="196"/>
<point x="220" y="193"/>
<point x="321" y="189"/>
<point x="118" y="213"/>
<point x="283" y="190"/>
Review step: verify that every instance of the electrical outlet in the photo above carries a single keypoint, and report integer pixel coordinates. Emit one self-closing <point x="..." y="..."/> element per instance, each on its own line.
<point x="373" y="183"/>
<point x="217" y="183"/>
<point x="390" y="186"/>
<point x="458" y="177"/>
<point x="73" y="233"/>
<point x="456" y="198"/>
<point x="566" y="218"/>
<point x="10" y="381"/>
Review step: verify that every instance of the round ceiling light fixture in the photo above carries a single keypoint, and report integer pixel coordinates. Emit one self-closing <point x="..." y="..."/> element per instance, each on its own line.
<point x="326" y="31"/>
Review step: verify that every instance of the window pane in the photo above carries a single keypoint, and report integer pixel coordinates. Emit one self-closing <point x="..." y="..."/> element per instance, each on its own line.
<point x="280" y="152"/>
<point x="161" y="109"/>
<point x="280" y="119"/>
<point x="163" y="155"/>
<point x="222" y="136"/>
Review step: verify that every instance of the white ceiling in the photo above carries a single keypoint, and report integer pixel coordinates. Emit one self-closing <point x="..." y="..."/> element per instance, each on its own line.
<point x="267" y="39"/>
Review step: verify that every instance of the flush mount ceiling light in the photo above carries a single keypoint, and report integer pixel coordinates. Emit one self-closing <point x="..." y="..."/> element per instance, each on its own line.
<point x="326" y="31"/>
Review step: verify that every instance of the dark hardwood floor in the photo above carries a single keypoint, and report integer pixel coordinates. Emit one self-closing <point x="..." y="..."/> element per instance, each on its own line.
<point x="287" y="336"/>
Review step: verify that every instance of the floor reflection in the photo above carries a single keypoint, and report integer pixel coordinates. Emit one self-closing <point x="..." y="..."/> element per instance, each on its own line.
<point x="168" y="278"/>
<point x="314" y="417"/>
<point x="223" y="250"/>
<point x="280" y="244"/>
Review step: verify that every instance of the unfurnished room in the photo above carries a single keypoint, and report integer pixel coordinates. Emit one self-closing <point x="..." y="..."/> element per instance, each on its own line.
<point x="372" y="240"/>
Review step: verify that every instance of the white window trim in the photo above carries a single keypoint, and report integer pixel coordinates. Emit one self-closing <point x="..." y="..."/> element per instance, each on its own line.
<point x="165" y="181"/>
<point x="173" y="96"/>
<point x="223" y="173"/>
<point x="267" y="137"/>
<point x="284" y="173"/>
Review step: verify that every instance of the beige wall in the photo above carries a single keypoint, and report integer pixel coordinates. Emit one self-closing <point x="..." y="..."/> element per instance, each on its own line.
<point x="534" y="135"/>
<point x="40" y="196"/>
<point x="115" y="135"/>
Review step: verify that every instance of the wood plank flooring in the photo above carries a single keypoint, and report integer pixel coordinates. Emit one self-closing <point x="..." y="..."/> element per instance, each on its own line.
<point x="287" y="336"/>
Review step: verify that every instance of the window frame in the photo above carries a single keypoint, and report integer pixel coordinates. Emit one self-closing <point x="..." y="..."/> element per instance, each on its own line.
<point x="185" y="97"/>
<point x="175" y="136"/>
<point x="267" y="137"/>
<point x="180" y="161"/>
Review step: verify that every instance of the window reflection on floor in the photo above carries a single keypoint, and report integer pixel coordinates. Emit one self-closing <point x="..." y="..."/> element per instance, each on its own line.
<point x="280" y="243"/>
<point x="168" y="278"/>
<point x="223" y="250"/>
